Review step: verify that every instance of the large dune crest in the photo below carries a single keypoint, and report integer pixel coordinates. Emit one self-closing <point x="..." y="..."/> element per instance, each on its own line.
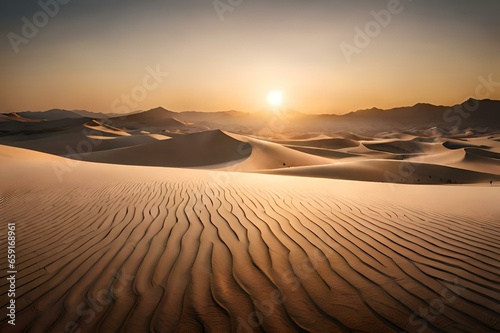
<point x="193" y="150"/>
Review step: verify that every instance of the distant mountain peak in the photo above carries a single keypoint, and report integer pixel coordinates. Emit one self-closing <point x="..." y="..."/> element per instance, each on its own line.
<point x="160" y="109"/>
<point x="424" y="105"/>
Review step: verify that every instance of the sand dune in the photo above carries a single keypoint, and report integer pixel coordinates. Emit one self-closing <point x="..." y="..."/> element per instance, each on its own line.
<point x="39" y="127"/>
<point x="475" y="159"/>
<point x="404" y="146"/>
<point x="268" y="155"/>
<point x="455" y="144"/>
<point x="140" y="249"/>
<point x="328" y="153"/>
<point x="311" y="233"/>
<point x="194" y="150"/>
<point x="152" y="120"/>
<point x="329" y="143"/>
<point x="15" y="117"/>
<point x="13" y="155"/>
<point x="73" y="138"/>
<point x="105" y="127"/>
<point x="482" y="153"/>
<point x="405" y="172"/>
<point x="439" y="160"/>
<point x="212" y="149"/>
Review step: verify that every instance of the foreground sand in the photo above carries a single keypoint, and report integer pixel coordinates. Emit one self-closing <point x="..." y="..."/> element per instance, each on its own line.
<point x="108" y="248"/>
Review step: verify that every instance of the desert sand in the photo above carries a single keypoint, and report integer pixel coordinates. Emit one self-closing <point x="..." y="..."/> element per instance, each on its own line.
<point x="127" y="227"/>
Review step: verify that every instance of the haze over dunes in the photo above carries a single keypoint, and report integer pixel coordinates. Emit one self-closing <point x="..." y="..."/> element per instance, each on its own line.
<point x="423" y="144"/>
<point x="161" y="221"/>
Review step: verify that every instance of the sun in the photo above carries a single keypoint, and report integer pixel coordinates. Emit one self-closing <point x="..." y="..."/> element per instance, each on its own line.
<point x="275" y="98"/>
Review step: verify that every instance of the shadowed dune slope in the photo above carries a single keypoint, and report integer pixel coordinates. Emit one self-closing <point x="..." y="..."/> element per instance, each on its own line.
<point x="139" y="249"/>
<point x="475" y="159"/>
<point x="330" y="143"/>
<point x="455" y="144"/>
<point x="408" y="172"/>
<point x="81" y="138"/>
<point x="37" y="127"/>
<point x="404" y="147"/>
<point x="15" y="117"/>
<point x="192" y="150"/>
<point x="328" y="153"/>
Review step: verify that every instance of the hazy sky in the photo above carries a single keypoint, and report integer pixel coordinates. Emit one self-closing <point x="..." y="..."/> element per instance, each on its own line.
<point x="92" y="54"/>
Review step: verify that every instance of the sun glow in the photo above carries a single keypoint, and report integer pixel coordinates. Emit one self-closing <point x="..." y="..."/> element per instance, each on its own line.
<point x="275" y="98"/>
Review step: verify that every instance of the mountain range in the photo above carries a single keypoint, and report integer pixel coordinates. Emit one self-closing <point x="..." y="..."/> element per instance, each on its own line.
<point x="477" y="115"/>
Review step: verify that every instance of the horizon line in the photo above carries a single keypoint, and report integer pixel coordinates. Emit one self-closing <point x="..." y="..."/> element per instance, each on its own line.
<point x="253" y="112"/>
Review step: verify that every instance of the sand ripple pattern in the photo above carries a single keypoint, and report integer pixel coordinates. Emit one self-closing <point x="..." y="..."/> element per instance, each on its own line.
<point x="189" y="255"/>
